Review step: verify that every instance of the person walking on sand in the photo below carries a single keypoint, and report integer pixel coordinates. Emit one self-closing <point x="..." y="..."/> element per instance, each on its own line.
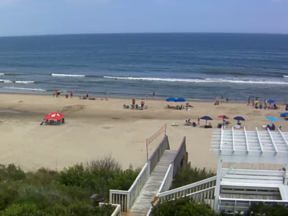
<point x="133" y="101"/>
<point x="87" y="94"/>
<point x="142" y="104"/>
<point x="71" y="94"/>
<point x="153" y="93"/>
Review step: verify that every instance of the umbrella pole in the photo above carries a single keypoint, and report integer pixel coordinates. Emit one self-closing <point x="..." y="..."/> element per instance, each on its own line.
<point x="206" y="122"/>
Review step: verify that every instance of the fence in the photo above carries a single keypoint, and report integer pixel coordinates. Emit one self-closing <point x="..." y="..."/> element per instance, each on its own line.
<point x="155" y="157"/>
<point x="187" y="189"/>
<point x="181" y="154"/>
<point x="127" y="198"/>
<point x="234" y="204"/>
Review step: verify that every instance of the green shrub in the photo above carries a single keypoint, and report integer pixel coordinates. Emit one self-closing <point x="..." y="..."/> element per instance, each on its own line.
<point x="261" y="209"/>
<point x="182" y="207"/>
<point x="50" y="193"/>
<point x="189" y="175"/>
<point x="11" y="173"/>
<point x="24" y="209"/>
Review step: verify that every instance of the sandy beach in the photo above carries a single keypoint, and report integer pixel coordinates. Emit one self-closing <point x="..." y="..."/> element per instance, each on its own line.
<point x="96" y="128"/>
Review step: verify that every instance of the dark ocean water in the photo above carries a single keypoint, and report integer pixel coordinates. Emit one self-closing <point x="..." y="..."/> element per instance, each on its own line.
<point x="195" y="66"/>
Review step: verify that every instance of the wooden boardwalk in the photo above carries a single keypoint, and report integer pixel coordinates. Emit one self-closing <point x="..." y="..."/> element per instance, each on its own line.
<point x="142" y="203"/>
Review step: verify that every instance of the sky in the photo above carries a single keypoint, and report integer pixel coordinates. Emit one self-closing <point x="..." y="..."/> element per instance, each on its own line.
<point x="42" y="17"/>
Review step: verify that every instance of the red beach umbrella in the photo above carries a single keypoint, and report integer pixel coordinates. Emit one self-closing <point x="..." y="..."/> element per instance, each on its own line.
<point x="54" y="116"/>
<point x="223" y="117"/>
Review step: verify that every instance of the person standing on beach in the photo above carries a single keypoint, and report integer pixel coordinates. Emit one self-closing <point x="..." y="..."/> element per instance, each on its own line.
<point x="133" y="101"/>
<point x="142" y="104"/>
<point x="248" y="104"/>
<point x="87" y="95"/>
<point x="54" y="93"/>
<point x="71" y="94"/>
<point x="153" y="93"/>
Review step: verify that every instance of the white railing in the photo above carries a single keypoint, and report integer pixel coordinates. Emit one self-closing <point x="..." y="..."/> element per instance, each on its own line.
<point x="167" y="181"/>
<point x="187" y="189"/>
<point x="139" y="183"/>
<point x="127" y="198"/>
<point x="234" y="204"/>
<point x="201" y="196"/>
<point x="116" y="212"/>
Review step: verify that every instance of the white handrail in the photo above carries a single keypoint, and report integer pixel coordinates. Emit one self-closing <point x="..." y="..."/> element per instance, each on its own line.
<point x="186" y="187"/>
<point x="138" y="177"/>
<point x="170" y="168"/>
<point x="195" y="193"/>
<point x="253" y="200"/>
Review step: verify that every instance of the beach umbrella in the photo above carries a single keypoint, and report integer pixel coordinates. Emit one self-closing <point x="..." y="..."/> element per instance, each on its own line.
<point x="272" y="118"/>
<point x="271" y="101"/>
<point x="206" y="118"/>
<point x="54" y="116"/>
<point x="239" y="118"/>
<point x="223" y="117"/>
<point x="171" y="99"/>
<point x="284" y="114"/>
<point x="180" y="100"/>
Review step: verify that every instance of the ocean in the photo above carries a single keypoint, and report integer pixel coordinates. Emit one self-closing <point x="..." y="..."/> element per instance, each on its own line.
<point x="195" y="66"/>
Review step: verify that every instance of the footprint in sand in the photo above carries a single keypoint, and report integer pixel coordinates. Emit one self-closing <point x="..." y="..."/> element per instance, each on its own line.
<point x="72" y="109"/>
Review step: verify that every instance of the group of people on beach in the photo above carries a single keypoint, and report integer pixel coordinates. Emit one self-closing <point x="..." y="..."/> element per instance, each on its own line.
<point x="257" y="105"/>
<point x="217" y="102"/>
<point x="136" y="106"/>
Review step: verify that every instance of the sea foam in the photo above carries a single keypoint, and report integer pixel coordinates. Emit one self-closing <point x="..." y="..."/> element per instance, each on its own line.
<point x="208" y="80"/>
<point x="67" y="75"/>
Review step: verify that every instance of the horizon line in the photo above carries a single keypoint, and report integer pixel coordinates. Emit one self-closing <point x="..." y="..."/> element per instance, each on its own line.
<point x="115" y="33"/>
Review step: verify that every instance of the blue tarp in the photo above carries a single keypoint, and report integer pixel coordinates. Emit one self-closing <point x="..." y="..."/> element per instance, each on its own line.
<point x="284" y="114"/>
<point x="272" y="118"/>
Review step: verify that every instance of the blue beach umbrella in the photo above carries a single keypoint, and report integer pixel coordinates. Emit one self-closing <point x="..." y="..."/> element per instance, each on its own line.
<point x="171" y="99"/>
<point x="271" y="101"/>
<point x="206" y="118"/>
<point x="239" y="118"/>
<point x="272" y="118"/>
<point x="180" y="100"/>
<point x="284" y="114"/>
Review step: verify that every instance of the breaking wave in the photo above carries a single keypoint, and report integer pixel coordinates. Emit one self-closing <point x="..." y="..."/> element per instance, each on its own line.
<point x="208" y="80"/>
<point x="24" y="82"/>
<point x="19" y="82"/>
<point x="67" y="75"/>
<point x="6" y="81"/>
<point x="25" y="89"/>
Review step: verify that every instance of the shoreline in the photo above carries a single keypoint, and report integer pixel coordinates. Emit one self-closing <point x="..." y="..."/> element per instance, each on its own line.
<point x="163" y="99"/>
